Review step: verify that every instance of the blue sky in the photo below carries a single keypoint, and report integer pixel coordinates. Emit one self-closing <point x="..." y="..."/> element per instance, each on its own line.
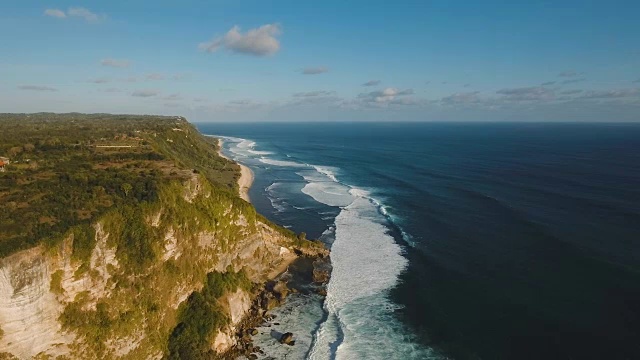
<point x="310" y="61"/>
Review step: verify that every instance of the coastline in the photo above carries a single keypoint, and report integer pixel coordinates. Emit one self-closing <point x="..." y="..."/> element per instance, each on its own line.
<point x="246" y="175"/>
<point x="304" y="272"/>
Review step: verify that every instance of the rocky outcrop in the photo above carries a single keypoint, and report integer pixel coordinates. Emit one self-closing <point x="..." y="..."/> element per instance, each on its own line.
<point x="287" y="338"/>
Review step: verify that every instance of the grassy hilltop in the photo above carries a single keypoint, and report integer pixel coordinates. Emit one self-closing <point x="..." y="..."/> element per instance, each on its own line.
<point x="67" y="169"/>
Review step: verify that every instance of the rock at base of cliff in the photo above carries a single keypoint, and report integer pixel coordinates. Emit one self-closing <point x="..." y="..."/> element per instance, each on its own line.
<point x="287" y="338"/>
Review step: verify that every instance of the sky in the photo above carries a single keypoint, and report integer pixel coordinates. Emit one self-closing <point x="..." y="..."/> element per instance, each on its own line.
<point x="235" y="60"/>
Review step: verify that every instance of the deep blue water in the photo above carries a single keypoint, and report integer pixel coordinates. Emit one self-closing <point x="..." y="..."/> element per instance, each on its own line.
<point x="510" y="241"/>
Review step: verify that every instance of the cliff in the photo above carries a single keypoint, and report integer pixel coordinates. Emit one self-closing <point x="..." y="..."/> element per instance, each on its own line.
<point x="167" y="278"/>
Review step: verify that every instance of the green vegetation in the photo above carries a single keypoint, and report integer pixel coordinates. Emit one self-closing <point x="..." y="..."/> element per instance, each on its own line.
<point x="83" y="241"/>
<point x="98" y="320"/>
<point x="134" y="238"/>
<point x="200" y="317"/>
<point x="67" y="170"/>
<point x="7" y="356"/>
<point x="163" y="184"/>
<point x="56" y="282"/>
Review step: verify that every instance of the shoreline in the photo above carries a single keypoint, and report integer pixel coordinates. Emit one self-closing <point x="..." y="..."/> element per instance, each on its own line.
<point x="287" y="277"/>
<point x="305" y="274"/>
<point x="246" y="175"/>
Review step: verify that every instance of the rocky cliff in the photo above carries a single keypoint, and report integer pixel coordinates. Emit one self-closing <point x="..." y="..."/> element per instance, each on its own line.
<point x="168" y="278"/>
<point x="54" y="304"/>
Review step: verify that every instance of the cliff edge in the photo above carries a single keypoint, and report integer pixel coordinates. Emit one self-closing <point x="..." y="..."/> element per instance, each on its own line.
<point x="169" y="275"/>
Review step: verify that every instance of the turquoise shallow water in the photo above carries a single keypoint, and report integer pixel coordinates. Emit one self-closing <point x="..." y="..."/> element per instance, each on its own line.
<point x="462" y="240"/>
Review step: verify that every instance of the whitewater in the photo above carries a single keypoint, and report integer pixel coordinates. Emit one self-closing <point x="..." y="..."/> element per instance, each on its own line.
<point x="359" y="319"/>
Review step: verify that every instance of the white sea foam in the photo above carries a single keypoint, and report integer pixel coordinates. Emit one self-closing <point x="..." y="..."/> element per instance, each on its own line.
<point x="371" y="331"/>
<point x="243" y="147"/>
<point x="312" y="175"/>
<point x="280" y="162"/>
<point x="328" y="171"/>
<point x="302" y="208"/>
<point x="298" y="315"/>
<point x="329" y="193"/>
<point x="228" y="138"/>
<point x="360" y="193"/>
<point x="277" y="202"/>
<point x="272" y="187"/>
<point x="366" y="264"/>
<point x="324" y="187"/>
<point x="354" y="264"/>
<point x="246" y="144"/>
<point x="238" y="147"/>
<point x="278" y="206"/>
<point x="258" y="152"/>
<point x="238" y="151"/>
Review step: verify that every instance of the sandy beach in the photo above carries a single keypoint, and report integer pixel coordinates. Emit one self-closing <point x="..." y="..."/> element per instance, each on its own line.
<point x="246" y="176"/>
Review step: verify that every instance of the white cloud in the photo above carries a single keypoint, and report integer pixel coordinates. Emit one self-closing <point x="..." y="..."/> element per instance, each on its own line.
<point x="461" y="98"/>
<point x="57" y="13"/>
<point x="384" y="96"/>
<point x="611" y="94"/>
<point x="318" y="97"/>
<point x="86" y="14"/>
<point x="36" y="88"/>
<point x="261" y="41"/>
<point x="404" y="101"/>
<point x="314" y="70"/>
<point x="145" y="93"/>
<point x="314" y="93"/>
<point x="527" y="93"/>
<point x="80" y="12"/>
<point x="371" y="83"/>
<point x="119" y="63"/>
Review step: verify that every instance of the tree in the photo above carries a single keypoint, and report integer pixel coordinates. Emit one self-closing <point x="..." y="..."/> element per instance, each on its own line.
<point x="15" y="150"/>
<point x="126" y="188"/>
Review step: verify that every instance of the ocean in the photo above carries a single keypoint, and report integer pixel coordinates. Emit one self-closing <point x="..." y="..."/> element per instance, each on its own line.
<point x="456" y="240"/>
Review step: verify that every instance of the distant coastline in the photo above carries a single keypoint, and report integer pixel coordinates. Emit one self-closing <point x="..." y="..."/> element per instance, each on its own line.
<point x="246" y="175"/>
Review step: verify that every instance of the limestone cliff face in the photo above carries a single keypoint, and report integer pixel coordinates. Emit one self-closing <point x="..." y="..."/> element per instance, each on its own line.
<point x="28" y="309"/>
<point x="52" y="303"/>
